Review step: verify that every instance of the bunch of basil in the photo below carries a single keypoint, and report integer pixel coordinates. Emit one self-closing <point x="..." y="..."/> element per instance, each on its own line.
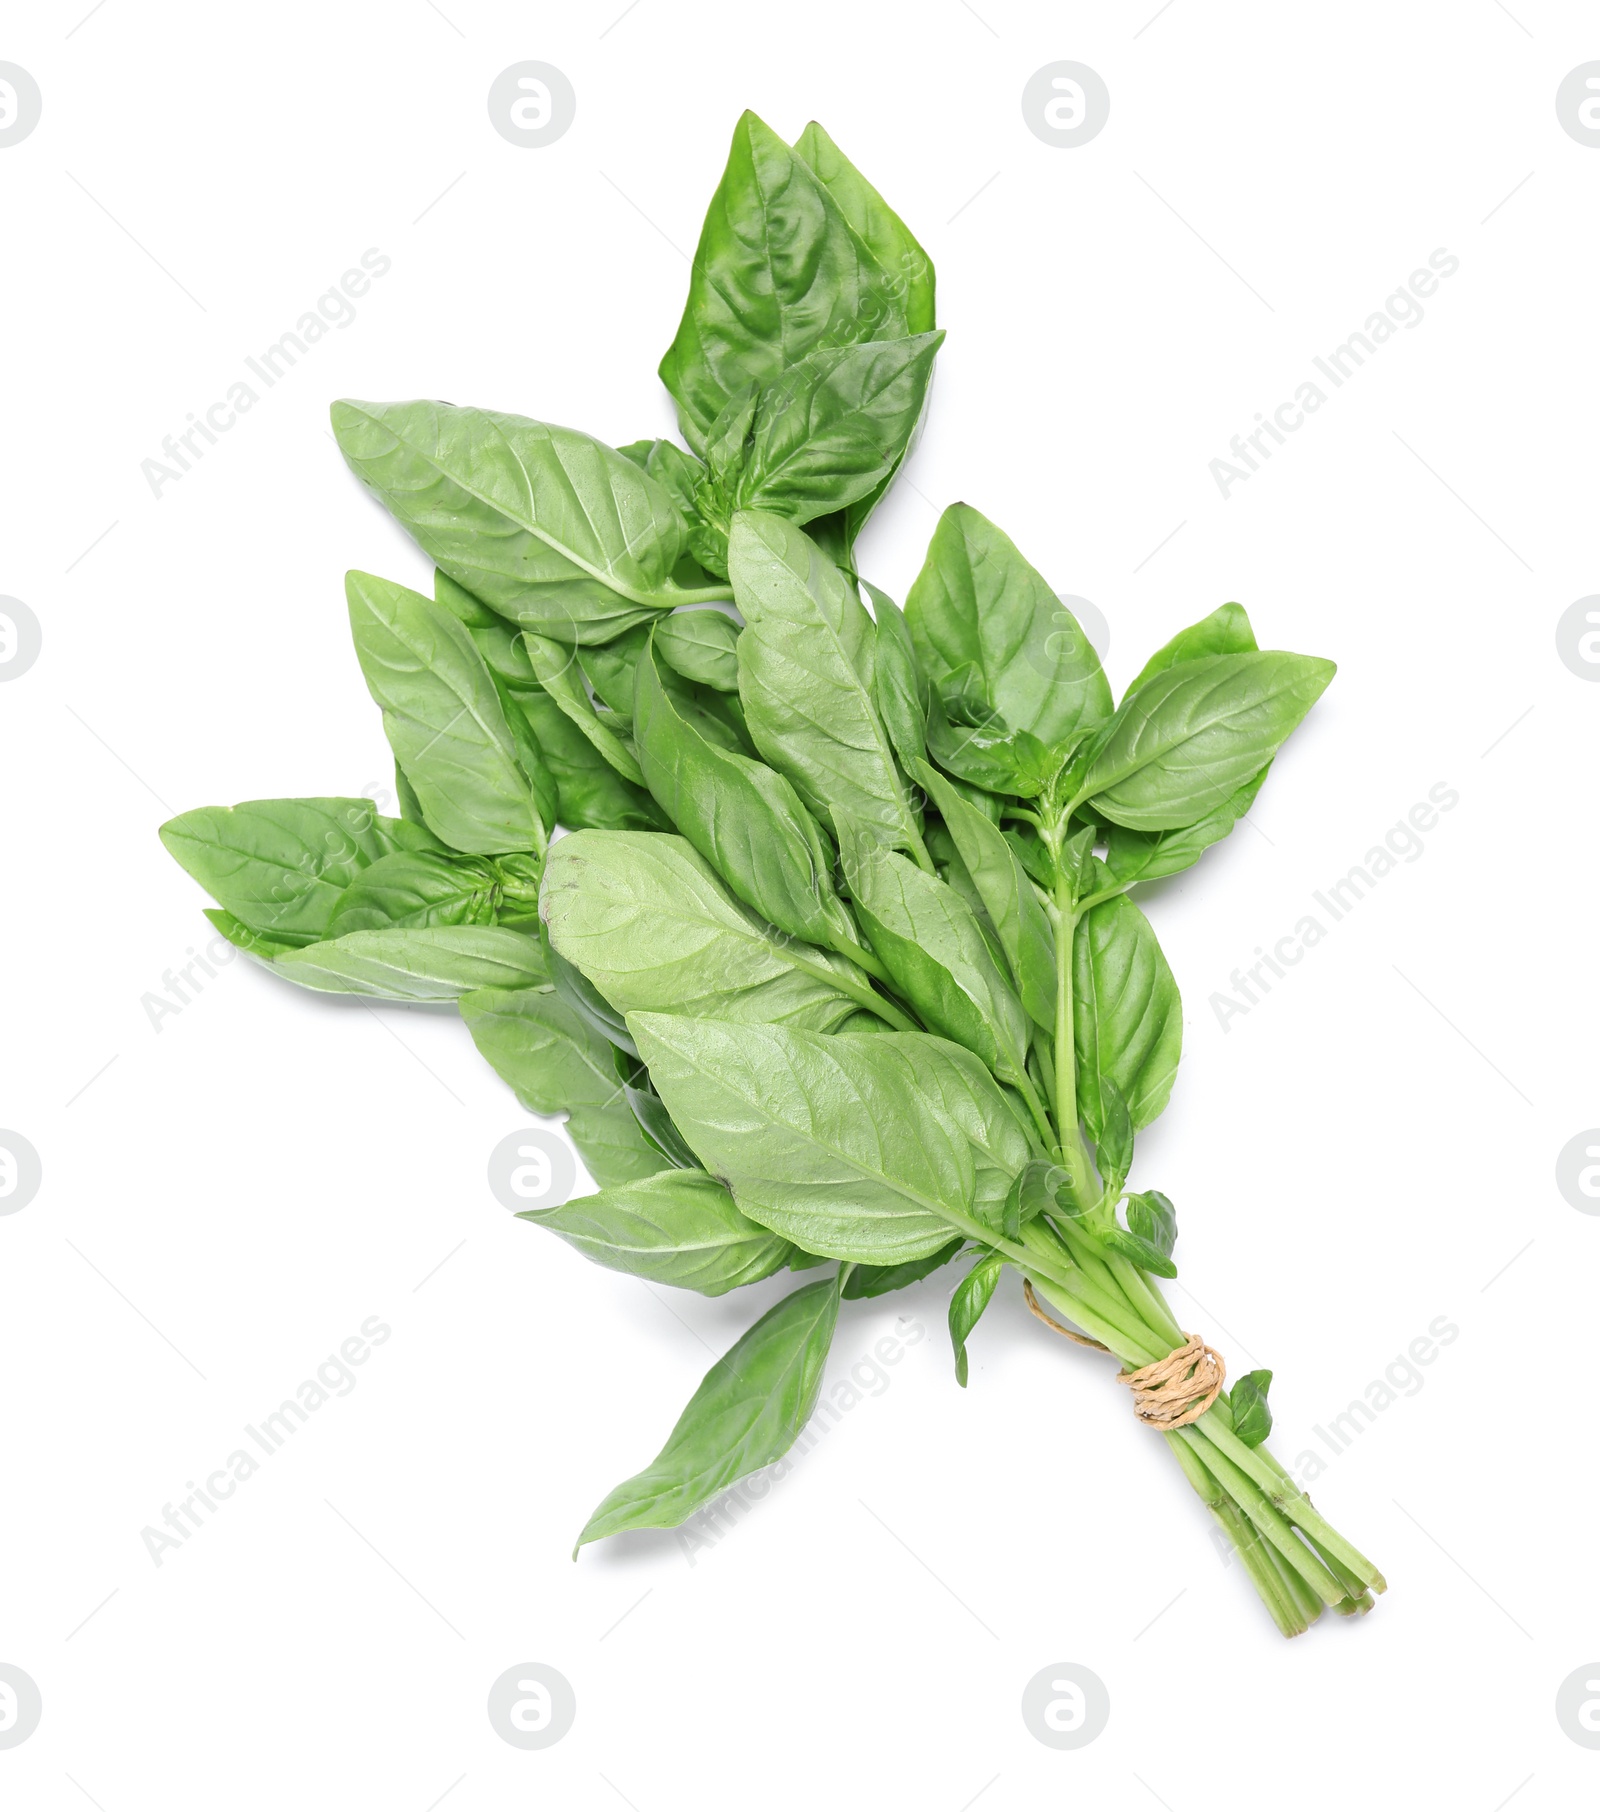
<point x="836" y="965"/>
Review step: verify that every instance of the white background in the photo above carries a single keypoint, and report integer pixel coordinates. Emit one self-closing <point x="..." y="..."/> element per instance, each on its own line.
<point x="1366" y="1150"/>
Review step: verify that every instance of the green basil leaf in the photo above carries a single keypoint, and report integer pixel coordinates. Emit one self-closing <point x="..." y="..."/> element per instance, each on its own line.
<point x="651" y="1112"/>
<point x="590" y="793"/>
<point x="418" y="887"/>
<point x="562" y="678"/>
<point x="1037" y="1189"/>
<point x="609" y="668"/>
<point x="927" y="938"/>
<point x="584" y="998"/>
<point x="1014" y="909"/>
<point x="972" y="1296"/>
<point x="1113" y="1146"/>
<point x="744" y="818"/>
<point x="1225" y="631"/>
<point x="880" y="1280"/>
<point x="700" y="645"/>
<point x="259" y="943"/>
<point x="499" y="642"/>
<point x="908" y="270"/>
<point x="833" y="427"/>
<point x="444" y="719"/>
<point x="550" y="527"/>
<point x="440" y="962"/>
<point x="281" y="865"/>
<point x="777" y="272"/>
<point x="1148" y="855"/>
<point x="873" y="1149"/>
<point x="898" y="688"/>
<point x="1152" y="1216"/>
<point x="989" y="756"/>
<point x="1127" y="1015"/>
<point x="1146" y="1256"/>
<point x="805" y="677"/>
<point x="748" y="1411"/>
<point x="1191" y="736"/>
<point x="978" y="602"/>
<point x="1247" y="1399"/>
<point x="556" y="1062"/>
<point x="650" y="923"/>
<point x="680" y="1227"/>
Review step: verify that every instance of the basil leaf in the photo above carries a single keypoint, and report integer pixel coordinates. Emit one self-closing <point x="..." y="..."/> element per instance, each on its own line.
<point x="700" y="645"/>
<point x="1225" y="631"/>
<point x="989" y="756"/>
<point x="834" y="426"/>
<point x="1148" y="855"/>
<point x="777" y="271"/>
<point x="1247" y="1400"/>
<point x="281" y="865"/>
<point x="1126" y="1012"/>
<point x="590" y="793"/>
<point x="873" y="1149"/>
<point x="440" y="962"/>
<point x="555" y="1062"/>
<point x="499" y="642"/>
<point x="972" y="1296"/>
<point x="1113" y="1146"/>
<point x="562" y="678"/>
<point x="898" y="688"/>
<point x="1152" y="1216"/>
<point x="680" y="1227"/>
<point x="1014" y="909"/>
<point x="927" y="938"/>
<point x="653" y="927"/>
<point x="259" y="944"/>
<point x="1037" y="1189"/>
<point x="805" y="677"/>
<point x="651" y="1111"/>
<point x="745" y="819"/>
<point x="747" y="1413"/>
<point x="444" y="719"/>
<point x="609" y="668"/>
<point x="977" y="602"/>
<point x="417" y="887"/>
<point x="545" y="525"/>
<point x="1191" y="736"/>
<point x="879" y="1280"/>
<point x="1146" y="1256"/>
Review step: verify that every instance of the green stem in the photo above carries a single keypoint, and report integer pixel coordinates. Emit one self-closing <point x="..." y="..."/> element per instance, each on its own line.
<point x="1257" y="1556"/>
<point x="1036" y="1108"/>
<point x="860" y="990"/>
<point x="707" y="594"/>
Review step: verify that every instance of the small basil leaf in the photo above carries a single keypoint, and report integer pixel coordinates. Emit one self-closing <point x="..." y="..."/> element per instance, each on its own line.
<point x="1144" y="1255"/>
<point x="1038" y="1189"/>
<point x="898" y="688"/>
<point x="417" y="887"/>
<point x="700" y="645"/>
<point x="1247" y="1400"/>
<point x="990" y="756"/>
<point x="972" y="1296"/>
<point x="1126" y="1013"/>
<point x="879" y="1280"/>
<point x="1152" y="1216"/>
<point x="1225" y="631"/>
<point x="1113" y="1152"/>
<point x="747" y="1412"/>
<point x="651" y="1113"/>
<point x="584" y="998"/>
<point x="440" y="962"/>
<point x="562" y="678"/>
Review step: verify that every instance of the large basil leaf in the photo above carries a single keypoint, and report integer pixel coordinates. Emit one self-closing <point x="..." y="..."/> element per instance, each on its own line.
<point x="418" y="887"/>
<point x="549" y="527"/>
<point x="978" y="605"/>
<point x="926" y="936"/>
<point x="562" y="679"/>
<point x="445" y="720"/>
<point x="439" y="962"/>
<point x="835" y="426"/>
<point x="701" y="645"/>
<point x="744" y="818"/>
<point x="1191" y="736"/>
<point x="280" y="865"/>
<point x="1014" y="909"/>
<point x="555" y="1062"/>
<point x="907" y="268"/>
<point x="1148" y="855"/>
<point x="1127" y="1014"/>
<point x="874" y="1149"/>
<point x="805" y="677"/>
<point x="650" y="923"/>
<point x="777" y="272"/>
<point x="1225" y="631"/>
<point x="680" y="1227"/>
<point x="747" y="1413"/>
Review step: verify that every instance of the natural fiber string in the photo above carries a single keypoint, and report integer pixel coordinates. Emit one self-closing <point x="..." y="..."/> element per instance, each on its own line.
<point x="1168" y="1393"/>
